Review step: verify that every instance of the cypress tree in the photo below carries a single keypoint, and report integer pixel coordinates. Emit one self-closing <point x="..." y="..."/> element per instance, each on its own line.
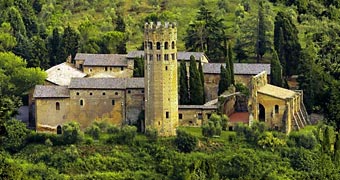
<point x="200" y="69"/>
<point x="275" y="70"/>
<point x="183" y="84"/>
<point x="261" y="34"/>
<point x="223" y="83"/>
<point x="54" y="43"/>
<point x="120" y="26"/>
<point x="70" y="42"/>
<point x="195" y="83"/>
<point x="286" y="43"/>
<point x="138" y="70"/>
<point x="231" y="63"/>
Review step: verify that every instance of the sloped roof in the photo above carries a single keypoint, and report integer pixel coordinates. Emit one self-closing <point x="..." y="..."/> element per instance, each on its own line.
<point x="239" y="68"/>
<point x="102" y="59"/>
<point x="41" y="91"/>
<point x="61" y="74"/>
<point x="276" y="91"/>
<point x="197" y="107"/>
<point x="181" y="55"/>
<point x="106" y="83"/>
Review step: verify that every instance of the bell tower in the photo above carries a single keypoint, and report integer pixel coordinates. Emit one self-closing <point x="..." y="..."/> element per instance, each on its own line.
<point x="160" y="78"/>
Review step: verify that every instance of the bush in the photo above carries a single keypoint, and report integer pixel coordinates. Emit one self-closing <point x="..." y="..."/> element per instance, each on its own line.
<point x="185" y="142"/>
<point x="113" y="129"/>
<point x="307" y="141"/>
<point x="72" y="133"/>
<point x="151" y="134"/>
<point x="213" y="128"/>
<point x="93" y="131"/>
<point x="16" y="135"/>
<point x="126" y="135"/>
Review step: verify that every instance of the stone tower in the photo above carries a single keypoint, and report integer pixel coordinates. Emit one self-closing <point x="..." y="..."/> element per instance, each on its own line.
<point x="161" y="94"/>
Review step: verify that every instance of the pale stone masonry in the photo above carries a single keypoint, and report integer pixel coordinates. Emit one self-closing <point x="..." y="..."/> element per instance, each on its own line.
<point x="161" y="92"/>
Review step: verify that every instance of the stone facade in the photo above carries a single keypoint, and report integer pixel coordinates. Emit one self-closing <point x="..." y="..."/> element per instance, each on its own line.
<point x="161" y="93"/>
<point x="194" y="115"/>
<point x="279" y="108"/>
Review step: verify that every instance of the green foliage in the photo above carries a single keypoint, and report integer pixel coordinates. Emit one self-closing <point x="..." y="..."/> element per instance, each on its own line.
<point x="151" y="134"/>
<point x="16" y="134"/>
<point x="195" y="83"/>
<point x="215" y="125"/>
<point x="276" y="71"/>
<point x="223" y="83"/>
<point x="267" y="140"/>
<point x="185" y="142"/>
<point x="239" y="87"/>
<point x="307" y="141"/>
<point x="93" y="131"/>
<point x="183" y="84"/>
<point x="126" y="135"/>
<point x="286" y="43"/>
<point x="72" y="133"/>
<point x="69" y="43"/>
<point x="138" y="70"/>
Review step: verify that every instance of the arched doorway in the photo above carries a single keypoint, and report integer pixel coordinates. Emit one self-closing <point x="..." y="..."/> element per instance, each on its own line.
<point x="59" y="131"/>
<point x="262" y="114"/>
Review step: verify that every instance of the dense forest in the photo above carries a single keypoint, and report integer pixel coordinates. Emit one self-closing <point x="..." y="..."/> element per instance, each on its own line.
<point x="298" y="37"/>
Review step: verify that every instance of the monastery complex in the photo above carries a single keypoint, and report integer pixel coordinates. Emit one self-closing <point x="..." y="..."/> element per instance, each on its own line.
<point x="101" y="87"/>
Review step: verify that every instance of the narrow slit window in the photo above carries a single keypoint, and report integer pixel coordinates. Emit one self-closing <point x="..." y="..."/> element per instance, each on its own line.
<point x="57" y="106"/>
<point x="113" y="102"/>
<point x="180" y="116"/>
<point x="276" y="108"/>
<point x="167" y="114"/>
<point x="81" y="102"/>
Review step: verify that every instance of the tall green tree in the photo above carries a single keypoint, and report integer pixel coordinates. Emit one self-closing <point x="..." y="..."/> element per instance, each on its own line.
<point x="195" y="84"/>
<point x="223" y="83"/>
<point x="120" y="26"/>
<point x="231" y="63"/>
<point x="206" y="34"/>
<point x="54" y="48"/>
<point x="200" y="70"/>
<point x="7" y="40"/>
<point x="69" y="43"/>
<point x="261" y="33"/>
<point x="39" y="53"/>
<point x="138" y="70"/>
<point x="16" y="21"/>
<point x="183" y="84"/>
<point x="286" y="43"/>
<point x="275" y="70"/>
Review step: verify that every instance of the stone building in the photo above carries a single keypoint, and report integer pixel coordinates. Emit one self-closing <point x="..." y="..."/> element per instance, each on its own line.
<point x="87" y="100"/>
<point x="243" y="73"/>
<point x="161" y="89"/>
<point x="100" y="87"/>
<point x="281" y="109"/>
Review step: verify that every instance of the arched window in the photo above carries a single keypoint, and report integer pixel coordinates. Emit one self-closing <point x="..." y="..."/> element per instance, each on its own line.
<point x="150" y="45"/>
<point x="59" y="131"/>
<point x="57" y="106"/>
<point x="158" y="45"/>
<point x="166" y="45"/>
<point x="173" y="45"/>
<point x="276" y="108"/>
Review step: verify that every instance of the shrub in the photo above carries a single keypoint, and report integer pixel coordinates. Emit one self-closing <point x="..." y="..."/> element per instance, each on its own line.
<point x="307" y="141"/>
<point x="111" y="129"/>
<point x="72" y="133"/>
<point x="213" y="128"/>
<point x="93" y="131"/>
<point x="151" y="134"/>
<point x="16" y="135"/>
<point x="185" y="142"/>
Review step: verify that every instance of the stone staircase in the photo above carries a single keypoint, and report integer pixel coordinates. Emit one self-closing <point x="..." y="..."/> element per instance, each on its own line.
<point x="301" y="118"/>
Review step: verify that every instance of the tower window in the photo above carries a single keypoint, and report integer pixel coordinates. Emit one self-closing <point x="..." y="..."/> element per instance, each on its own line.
<point x="166" y="57"/>
<point x="150" y="57"/>
<point x="150" y="45"/>
<point x="173" y="45"/>
<point x="167" y="115"/>
<point x="166" y="68"/>
<point x="158" y="57"/>
<point x="166" y="45"/>
<point x="276" y="108"/>
<point x="158" y="45"/>
<point x="57" y="106"/>
<point x="113" y="102"/>
<point x="81" y="102"/>
<point x="173" y="56"/>
<point x="180" y="116"/>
